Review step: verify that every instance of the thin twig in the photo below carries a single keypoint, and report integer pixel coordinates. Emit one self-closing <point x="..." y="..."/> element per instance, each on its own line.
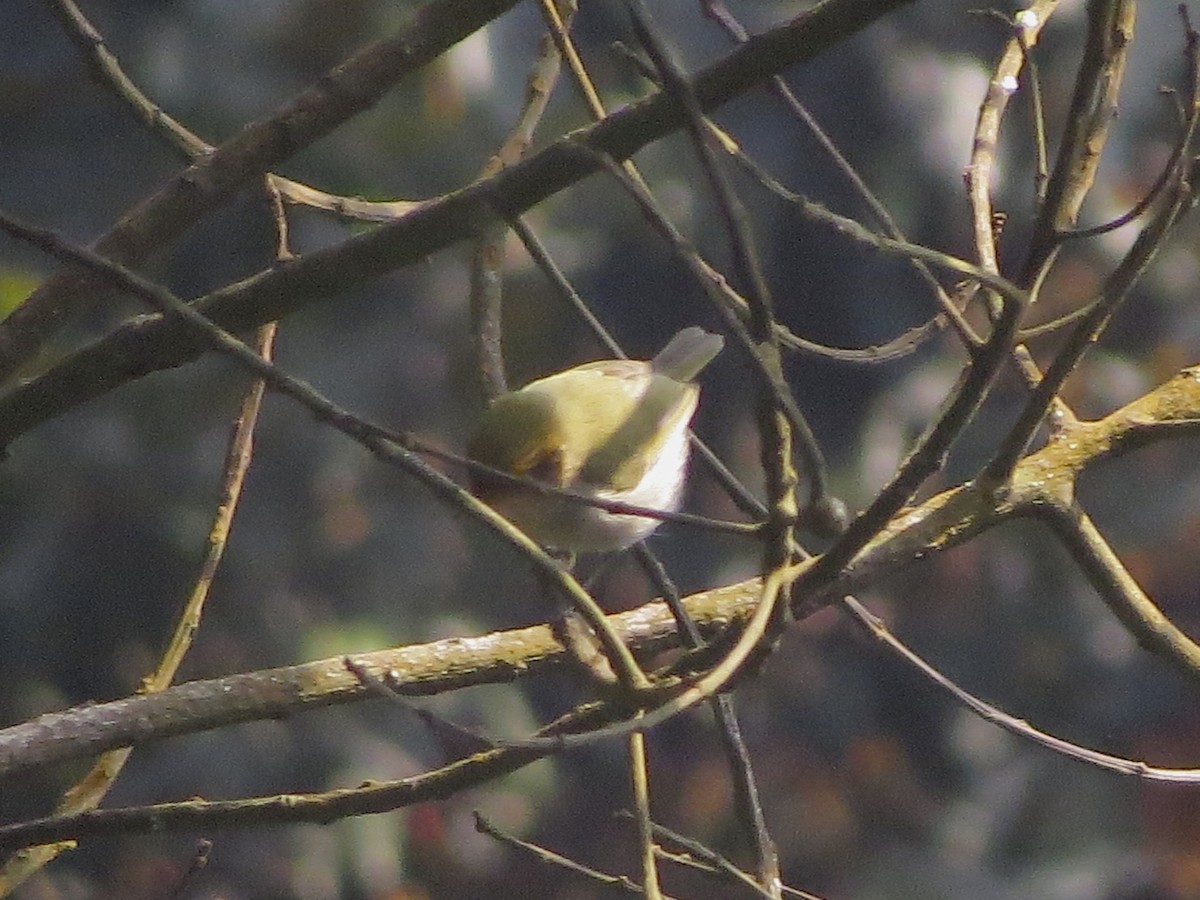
<point x="1019" y="727"/>
<point x="198" y="863"/>
<point x="1119" y="590"/>
<point x="1170" y="411"/>
<point x="621" y="882"/>
<point x="717" y="10"/>
<point x="768" y="371"/>
<point x="143" y="345"/>
<point x="213" y="178"/>
<point x="745" y="788"/>
<point x="1116" y="289"/>
<point x="92" y="788"/>
<point x="326" y="806"/>
<point x="719" y="864"/>
<point x="1005" y="78"/>
<point x="737" y="492"/>
<point x="488" y="256"/>
<point x="1191" y="52"/>
<point x="639" y="773"/>
<point x="1093" y="108"/>
<point x="106" y="69"/>
<point x="926" y="457"/>
<point x="621" y="659"/>
<point x="782" y="425"/>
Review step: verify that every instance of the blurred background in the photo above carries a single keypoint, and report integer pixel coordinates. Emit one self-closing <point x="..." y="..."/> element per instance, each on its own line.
<point x="876" y="786"/>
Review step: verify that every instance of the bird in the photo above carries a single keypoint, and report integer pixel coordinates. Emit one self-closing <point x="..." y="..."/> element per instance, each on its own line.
<point x="613" y="429"/>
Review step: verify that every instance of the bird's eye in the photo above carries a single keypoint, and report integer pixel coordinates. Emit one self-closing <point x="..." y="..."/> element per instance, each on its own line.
<point x="547" y="466"/>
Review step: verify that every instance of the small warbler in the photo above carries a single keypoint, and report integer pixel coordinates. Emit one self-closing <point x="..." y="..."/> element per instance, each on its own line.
<point x="612" y="429"/>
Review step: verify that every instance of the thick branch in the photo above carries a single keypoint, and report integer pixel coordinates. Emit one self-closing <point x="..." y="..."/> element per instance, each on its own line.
<point x="1047" y="477"/>
<point x="417" y="670"/>
<point x="343" y="92"/>
<point x="148" y="343"/>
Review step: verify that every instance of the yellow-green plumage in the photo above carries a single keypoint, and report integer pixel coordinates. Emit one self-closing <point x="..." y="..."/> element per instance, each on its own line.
<point x="615" y="429"/>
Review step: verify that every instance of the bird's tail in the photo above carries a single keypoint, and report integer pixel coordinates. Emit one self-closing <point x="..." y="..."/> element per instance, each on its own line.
<point x="687" y="353"/>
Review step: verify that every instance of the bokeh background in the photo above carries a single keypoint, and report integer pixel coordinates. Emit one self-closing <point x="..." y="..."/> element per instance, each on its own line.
<point x="875" y="785"/>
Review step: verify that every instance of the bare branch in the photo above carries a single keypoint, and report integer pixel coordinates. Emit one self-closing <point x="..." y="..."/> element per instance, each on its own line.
<point x="148" y="344"/>
<point x="343" y="92"/>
